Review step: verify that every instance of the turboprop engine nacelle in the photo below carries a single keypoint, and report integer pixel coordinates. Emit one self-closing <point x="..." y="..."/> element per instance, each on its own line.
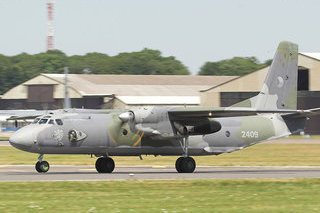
<point x="142" y="119"/>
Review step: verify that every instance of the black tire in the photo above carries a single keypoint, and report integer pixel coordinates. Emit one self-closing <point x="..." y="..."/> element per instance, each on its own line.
<point x="42" y="167"/>
<point x="178" y="164"/>
<point x="109" y="165"/>
<point x="105" y="165"/>
<point x="187" y="165"/>
<point x="98" y="165"/>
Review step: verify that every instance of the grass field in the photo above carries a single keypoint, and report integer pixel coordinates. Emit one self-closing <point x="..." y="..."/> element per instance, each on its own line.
<point x="300" y="195"/>
<point x="265" y="154"/>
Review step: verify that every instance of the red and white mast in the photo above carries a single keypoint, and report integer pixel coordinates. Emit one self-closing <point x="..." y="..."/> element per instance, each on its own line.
<point x="50" y="28"/>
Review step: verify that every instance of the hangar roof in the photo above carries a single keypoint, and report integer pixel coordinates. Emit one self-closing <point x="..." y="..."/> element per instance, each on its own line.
<point x="139" y="85"/>
<point x="315" y="55"/>
<point x="90" y="85"/>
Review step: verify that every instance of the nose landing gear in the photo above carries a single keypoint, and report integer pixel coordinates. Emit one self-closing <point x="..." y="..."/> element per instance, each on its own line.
<point x="104" y="165"/>
<point x="42" y="166"/>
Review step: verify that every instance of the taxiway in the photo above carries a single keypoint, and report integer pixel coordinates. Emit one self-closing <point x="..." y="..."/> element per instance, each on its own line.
<point x="88" y="173"/>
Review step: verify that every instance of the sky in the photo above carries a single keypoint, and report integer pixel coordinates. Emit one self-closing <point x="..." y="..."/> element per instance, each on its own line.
<point x="194" y="31"/>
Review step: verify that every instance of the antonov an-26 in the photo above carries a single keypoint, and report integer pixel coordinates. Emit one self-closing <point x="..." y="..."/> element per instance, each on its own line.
<point x="178" y="131"/>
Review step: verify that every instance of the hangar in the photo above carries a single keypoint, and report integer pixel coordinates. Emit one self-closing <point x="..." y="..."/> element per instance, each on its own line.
<point x="47" y="91"/>
<point x="244" y="87"/>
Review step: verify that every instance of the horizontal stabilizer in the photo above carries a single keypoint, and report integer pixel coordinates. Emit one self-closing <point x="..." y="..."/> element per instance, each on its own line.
<point x="304" y="113"/>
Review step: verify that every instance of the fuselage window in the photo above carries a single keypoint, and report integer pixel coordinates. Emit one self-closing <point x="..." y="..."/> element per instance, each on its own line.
<point x="36" y="120"/>
<point x="43" y="121"/>
<point x="59" y="122"/>
<point x="51" y="121"/>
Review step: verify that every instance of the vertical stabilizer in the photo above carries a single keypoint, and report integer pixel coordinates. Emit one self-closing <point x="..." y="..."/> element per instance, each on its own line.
<point x="279" y="90"/>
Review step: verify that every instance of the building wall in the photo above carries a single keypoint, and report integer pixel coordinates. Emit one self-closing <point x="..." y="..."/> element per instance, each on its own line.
<point x="88" y="103"/>
<point x="230" y="98"/>
<point x="117" y="104"/>
<point x="248" y="83"/>
<point x="314" y="71"/>
<point x="21" y="91"/>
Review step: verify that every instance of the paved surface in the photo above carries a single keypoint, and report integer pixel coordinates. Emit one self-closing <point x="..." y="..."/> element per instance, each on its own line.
<point x="81" y="173"/>
<point x="4" y="143"/>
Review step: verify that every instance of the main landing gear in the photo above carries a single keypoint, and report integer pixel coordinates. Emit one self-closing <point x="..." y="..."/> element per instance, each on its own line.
<point x="185" y="164"/>
<point x="104" y="165"/>
<point x="42" y="166"/>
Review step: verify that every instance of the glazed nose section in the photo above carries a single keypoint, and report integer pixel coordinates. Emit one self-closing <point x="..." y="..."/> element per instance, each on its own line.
<point x="22" y="139"/>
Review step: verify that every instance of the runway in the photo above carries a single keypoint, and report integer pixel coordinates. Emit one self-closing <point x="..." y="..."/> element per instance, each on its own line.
<point x="88" y="173"/>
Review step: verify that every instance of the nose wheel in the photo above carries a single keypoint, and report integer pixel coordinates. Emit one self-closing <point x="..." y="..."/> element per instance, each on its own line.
<point x="42" y="166"/>
<point x="104" y="165"/>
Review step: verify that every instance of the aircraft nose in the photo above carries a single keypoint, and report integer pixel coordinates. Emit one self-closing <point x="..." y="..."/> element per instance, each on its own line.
<point x="22" y="140"/>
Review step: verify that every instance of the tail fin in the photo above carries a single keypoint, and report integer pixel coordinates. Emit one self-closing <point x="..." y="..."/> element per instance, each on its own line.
<point x="279" y="90"/>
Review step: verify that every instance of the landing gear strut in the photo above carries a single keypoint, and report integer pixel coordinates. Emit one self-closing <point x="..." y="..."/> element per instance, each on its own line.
<point x="104" y="165"/>
<point x="42" y="166"/>
<point x="185" y="164"/>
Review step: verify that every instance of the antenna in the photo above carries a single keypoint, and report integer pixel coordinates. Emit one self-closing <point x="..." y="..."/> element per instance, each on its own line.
<point x="67" y="102"/>
<point x="50" y="29"/>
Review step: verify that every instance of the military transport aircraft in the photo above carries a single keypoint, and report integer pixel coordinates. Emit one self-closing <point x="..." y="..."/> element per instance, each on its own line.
<point x="180" y="131"/>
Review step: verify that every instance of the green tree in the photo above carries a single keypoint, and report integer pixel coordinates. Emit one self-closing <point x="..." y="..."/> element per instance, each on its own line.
<point x="16" y="69"/>
<point x="235" y="66"/>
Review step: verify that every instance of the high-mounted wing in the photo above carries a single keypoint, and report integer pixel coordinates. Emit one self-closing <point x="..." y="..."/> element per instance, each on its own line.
<point x="188" y="113"/>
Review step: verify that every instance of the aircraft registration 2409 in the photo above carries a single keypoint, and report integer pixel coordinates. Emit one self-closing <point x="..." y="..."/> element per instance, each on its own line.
<point x="179" y="131"/>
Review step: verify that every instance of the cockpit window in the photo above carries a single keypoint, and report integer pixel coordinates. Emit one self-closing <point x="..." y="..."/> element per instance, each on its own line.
<point x="51" y="121"/>
<point x="43" y="121"/>
<point x="59" y="122"/>
<point x="36" y="120"/>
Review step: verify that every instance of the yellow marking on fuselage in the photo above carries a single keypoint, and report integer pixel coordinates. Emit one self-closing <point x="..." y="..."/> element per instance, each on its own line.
<point x="139" y="139"/>
<point x="133" y="137"/>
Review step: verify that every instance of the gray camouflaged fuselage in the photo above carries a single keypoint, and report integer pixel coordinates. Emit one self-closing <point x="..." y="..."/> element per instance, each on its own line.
<point x="106" y="134"/>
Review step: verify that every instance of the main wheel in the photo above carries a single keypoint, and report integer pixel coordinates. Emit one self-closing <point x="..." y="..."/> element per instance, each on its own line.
<point x="42" y="167"/>
<point x="104" y="165"/>
<point x="178" y="164"/>
<point x="187" y="165"/>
